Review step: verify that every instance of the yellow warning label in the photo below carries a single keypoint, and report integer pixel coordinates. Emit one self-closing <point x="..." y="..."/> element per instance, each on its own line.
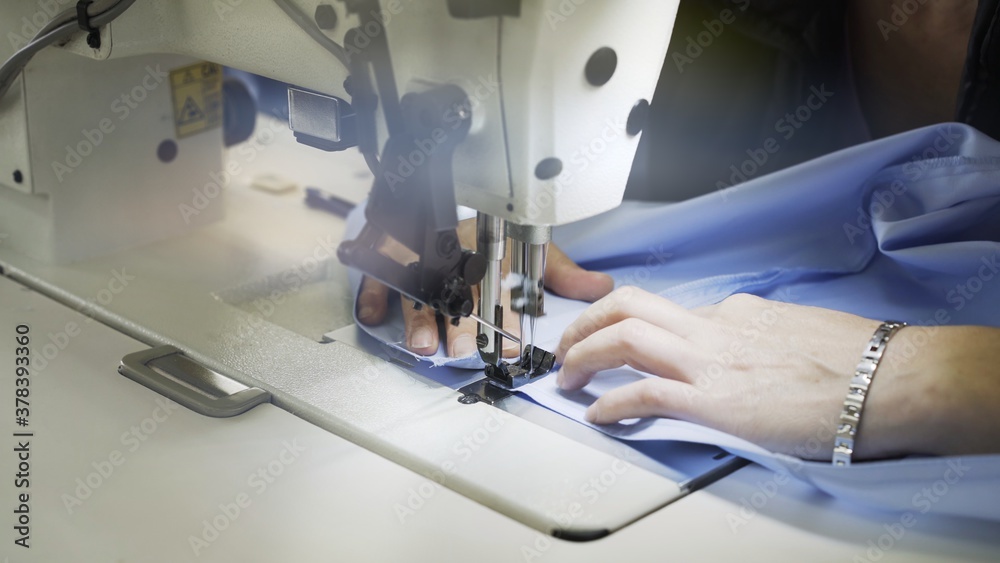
<point x="197" y="92"/>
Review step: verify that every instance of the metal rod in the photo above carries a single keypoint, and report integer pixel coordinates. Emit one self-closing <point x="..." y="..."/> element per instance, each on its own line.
<point x="500" y="331"/>
<point x="492" y="244"/>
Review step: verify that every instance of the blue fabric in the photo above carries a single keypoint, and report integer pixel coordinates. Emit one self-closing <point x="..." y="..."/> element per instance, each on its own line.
<point x="905" y="228"/>
<point x="868" y="230"/>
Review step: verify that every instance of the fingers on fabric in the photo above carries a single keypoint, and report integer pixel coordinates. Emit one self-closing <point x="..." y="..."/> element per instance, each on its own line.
<point x="629" y="303"/>
<point x="564" y="277"/>
<point x="373" y="302"/>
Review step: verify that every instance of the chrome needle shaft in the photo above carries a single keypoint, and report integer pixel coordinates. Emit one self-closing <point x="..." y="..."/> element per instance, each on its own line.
<point x="500" y="331"/>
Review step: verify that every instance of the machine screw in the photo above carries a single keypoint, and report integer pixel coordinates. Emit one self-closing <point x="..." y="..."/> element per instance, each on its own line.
<point x="167" y="151"/>
<point x="637" y="118"/>
<point x="601" y="66"/>
<point x="548" y="168"/>
<point x="468" y="399"/>
<point x="326" y="17"/>
<point x="94" y="39"/>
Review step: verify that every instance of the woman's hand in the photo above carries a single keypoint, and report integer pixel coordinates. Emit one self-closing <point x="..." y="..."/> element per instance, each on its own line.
<point x="776" y="374"/>
<point x="562" y="276"/>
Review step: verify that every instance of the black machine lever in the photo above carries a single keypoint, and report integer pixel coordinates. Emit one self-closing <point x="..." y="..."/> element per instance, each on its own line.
<point x="413" y="201"/>
<point x="413" y="196"/>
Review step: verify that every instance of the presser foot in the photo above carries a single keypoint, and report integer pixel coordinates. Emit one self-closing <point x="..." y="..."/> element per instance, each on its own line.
<point x="503" y="378"/>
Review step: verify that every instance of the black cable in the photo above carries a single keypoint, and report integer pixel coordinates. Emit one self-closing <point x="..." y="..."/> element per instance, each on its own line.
<point x="12" y="68"/>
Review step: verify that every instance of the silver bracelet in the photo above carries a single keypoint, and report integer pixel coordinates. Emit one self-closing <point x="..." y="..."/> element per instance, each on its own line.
<point x="854" y="403"/>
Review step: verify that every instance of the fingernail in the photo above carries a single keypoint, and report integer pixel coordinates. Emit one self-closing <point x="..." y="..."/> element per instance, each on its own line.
<point x="464" y="346"/>
<point x="366" y="312"/>
<point x="421" y="338"/>
<point x="592" y="414"/>
<point x="560" y="379"/>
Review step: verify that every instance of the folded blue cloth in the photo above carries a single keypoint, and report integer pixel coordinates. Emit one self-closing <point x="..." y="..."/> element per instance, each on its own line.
<point x="905" y="228"/>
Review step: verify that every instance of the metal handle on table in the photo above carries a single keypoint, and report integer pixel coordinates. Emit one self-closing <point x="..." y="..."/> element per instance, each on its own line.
<point x="166" y="370"/>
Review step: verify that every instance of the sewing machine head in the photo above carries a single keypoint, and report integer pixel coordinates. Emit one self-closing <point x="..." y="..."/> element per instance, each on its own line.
<point x="527" y="112"/>
<point x="511" y="131"/>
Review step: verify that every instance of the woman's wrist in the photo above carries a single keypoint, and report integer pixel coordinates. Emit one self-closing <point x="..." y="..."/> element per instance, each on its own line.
<point x="936" y="392"/>
<point x="895" y="405"/>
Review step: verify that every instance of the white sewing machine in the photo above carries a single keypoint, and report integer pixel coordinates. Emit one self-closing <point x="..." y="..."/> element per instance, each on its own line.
<point x="126" y="231"/>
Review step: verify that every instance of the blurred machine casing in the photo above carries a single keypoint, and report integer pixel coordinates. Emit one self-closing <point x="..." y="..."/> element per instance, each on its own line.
<point x="524" y="77"/>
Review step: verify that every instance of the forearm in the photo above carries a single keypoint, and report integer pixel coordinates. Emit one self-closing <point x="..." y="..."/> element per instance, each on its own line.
<point x="937" y="392"/>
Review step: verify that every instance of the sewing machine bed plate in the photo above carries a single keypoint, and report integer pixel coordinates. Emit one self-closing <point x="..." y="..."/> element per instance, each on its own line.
<point x="328" y="499"/>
